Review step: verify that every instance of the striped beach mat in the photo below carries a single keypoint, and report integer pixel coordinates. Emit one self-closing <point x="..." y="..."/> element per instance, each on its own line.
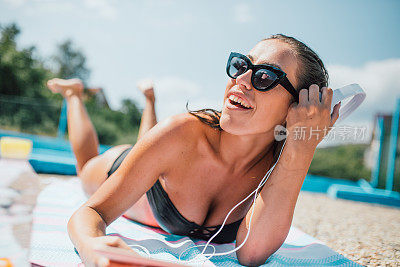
<point x="51" y="246"/>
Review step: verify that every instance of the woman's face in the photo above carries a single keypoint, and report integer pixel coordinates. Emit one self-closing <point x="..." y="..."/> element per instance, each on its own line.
<point x="267" y="109"/>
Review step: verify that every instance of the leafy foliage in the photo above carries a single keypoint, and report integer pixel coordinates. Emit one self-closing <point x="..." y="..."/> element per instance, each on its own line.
<point x="344" y="161"/>
<point x="27" y="105"/>
<point x="70" y="62"/>
<point x="115" y="127"/>
<point x="24" y="102"/>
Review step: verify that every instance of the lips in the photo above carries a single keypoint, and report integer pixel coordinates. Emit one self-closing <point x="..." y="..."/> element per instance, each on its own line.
<point x="238" y="100"/>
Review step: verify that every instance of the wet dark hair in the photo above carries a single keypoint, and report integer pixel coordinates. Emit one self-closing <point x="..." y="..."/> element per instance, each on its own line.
<point x="311" y="70"/>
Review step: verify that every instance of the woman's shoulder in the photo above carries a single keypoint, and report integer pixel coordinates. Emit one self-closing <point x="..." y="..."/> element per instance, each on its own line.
<point x="182" y="137"/>
<point x="184" y="123"/>
<point x="174" y="137"/>
<point x="187" y="129"/>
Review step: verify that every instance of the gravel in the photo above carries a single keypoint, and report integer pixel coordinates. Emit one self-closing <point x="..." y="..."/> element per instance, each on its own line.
<point x="365" y="233"/>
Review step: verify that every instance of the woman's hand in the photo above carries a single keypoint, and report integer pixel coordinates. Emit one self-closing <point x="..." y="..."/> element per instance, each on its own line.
<point x="89" y="255"/>
<point x="310" y="120"/>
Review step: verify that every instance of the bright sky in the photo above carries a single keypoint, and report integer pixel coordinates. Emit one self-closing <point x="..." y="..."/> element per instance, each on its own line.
<point x="184" y="45"/>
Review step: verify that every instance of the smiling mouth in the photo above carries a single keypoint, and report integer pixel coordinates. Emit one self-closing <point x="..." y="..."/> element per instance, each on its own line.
<point x="237" y="102"/>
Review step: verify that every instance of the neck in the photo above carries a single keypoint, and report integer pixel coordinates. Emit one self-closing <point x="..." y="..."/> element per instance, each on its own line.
<point x="242" y="152"/>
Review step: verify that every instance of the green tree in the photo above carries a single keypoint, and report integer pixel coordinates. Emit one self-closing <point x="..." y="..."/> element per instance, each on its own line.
<point x="345" y="161"/>
<point x="22" y="76"/>
<point x="133" y="114"/>
<point x="27" y="105"/>
<point x="115" y="126"/>
<point x="70" y="62"/>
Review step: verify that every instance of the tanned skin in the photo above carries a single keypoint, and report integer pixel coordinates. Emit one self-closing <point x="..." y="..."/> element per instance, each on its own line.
<point x="204" y="171"/>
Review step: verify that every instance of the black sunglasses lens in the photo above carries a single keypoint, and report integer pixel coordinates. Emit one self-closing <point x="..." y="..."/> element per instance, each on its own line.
<point x="237" y="66"/>
<point x="264" y="78"/>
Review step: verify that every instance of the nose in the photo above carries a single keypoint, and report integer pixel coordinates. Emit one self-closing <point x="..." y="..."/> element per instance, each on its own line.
<point x="244" y="80"/>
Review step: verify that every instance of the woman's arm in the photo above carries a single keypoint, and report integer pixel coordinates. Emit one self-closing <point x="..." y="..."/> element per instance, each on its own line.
<point x="275" y="204"/>
<point x="153" y="155"/>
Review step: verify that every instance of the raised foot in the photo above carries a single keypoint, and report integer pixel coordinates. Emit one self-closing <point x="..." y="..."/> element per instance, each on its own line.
<point x="147" y="88"/>
<point x="66" y="87"/>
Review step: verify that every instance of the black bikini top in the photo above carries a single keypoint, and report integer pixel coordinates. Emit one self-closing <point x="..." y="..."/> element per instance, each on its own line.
<point x="172" y="221"/>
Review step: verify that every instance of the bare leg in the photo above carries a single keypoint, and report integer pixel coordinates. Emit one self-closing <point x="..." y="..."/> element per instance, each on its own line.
<point x="82" y="135"/>
<point x="92" y="168"/>
<point x="149" y="118"/>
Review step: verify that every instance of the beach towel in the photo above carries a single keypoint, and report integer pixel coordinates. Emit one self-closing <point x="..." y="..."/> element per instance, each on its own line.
<point x="51" y="246"/>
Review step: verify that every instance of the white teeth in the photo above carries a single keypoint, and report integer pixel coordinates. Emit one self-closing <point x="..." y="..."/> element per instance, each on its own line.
<point x="238" y="100"/>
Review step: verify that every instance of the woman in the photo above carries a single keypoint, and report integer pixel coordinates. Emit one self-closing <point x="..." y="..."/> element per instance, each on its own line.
<point x="185" y="173"/>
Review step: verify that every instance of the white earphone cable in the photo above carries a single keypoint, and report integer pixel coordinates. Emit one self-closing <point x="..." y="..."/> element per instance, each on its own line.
<point x="352" y="90"/>
<point x="263" y="181"/>
<point x="208" y="255"/>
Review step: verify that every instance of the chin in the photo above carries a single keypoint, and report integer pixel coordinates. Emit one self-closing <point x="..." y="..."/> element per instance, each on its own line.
<point x="231" y="125"/>
<point x="243" y="126"/>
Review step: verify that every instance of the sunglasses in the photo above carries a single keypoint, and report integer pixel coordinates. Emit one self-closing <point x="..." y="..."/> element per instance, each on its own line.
<point x="264" y="76"/>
